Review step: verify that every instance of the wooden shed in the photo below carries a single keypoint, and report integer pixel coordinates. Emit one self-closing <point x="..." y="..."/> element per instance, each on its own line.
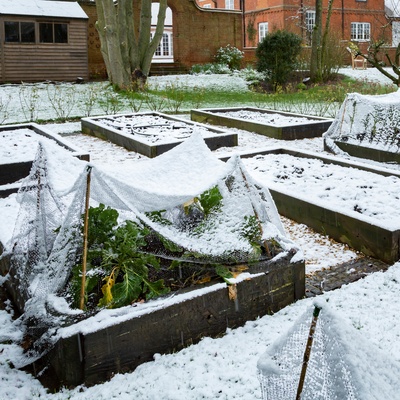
<point x="42" y="40"/>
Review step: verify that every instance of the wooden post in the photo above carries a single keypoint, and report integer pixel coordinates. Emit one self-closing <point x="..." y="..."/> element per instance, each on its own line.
<point x="85" y="239"/>
<point x="307" y="352"/>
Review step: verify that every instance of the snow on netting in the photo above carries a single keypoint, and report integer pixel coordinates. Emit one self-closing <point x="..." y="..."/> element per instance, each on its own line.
<point x="367" y="119"/>
<point x="40" y="214"/>
<point x="156" y="194"/>
<point x="342" y="364"/>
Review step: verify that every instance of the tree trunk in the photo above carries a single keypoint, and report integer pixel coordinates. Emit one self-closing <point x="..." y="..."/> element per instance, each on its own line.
<point x="315" y="64"/>
<point x="128" y="54"/>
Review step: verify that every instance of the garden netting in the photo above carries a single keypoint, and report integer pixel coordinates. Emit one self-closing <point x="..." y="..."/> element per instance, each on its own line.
<point x="371" y="120"/>
<point x="199" y="211"/>
<point x="342" y="364"/>
<point x="329" y="371"/>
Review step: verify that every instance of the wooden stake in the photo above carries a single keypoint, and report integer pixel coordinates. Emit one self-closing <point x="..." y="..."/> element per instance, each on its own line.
<point x="307" y="352"/>
<point x="85" y="239"/>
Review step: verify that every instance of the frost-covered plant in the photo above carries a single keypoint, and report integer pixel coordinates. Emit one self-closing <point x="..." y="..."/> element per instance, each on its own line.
<point x="29" y="99"/>
<point x="230" y="56"/>
<point x="110" y="101"/>
<point x="4" y="108"/>
<point x="210" y="68"/>
<point x="90" y="97"/>
<point x="62" y="99"/>
<point x="135" y="103"/>
<point x="198" y="97"/>
<point x="154" y="102"/>
<point x="175" y="97"/>
<point x="251" y="75"/>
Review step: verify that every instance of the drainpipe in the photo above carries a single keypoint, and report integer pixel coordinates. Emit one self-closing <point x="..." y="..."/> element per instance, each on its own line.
<point x="242" y="6"/>
<point x="342" y="19"/>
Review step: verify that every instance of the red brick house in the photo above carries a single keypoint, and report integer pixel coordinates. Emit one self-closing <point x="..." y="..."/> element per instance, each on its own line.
<point x="355" y="20"/>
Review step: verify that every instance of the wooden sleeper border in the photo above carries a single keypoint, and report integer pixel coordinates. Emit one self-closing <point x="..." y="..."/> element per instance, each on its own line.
<point x="314" y="128"/>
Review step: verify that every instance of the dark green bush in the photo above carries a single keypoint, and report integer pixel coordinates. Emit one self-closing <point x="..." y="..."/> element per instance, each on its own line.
<point x="277" y="55"/>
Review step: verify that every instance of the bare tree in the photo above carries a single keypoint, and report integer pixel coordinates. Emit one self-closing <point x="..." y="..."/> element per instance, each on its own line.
<point x="320" y="66"/>
<point x="373" y="57"/>
<point x="126" y="43"/>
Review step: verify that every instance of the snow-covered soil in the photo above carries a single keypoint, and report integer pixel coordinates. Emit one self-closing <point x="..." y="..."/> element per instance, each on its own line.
<point x="226" y="368"/>
<point x="349" y="190"/>
<point x="153" y="128"/>
<point x="275" y="119"/>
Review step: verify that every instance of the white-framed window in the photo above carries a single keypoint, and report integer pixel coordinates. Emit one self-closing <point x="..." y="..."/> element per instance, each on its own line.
<point x="360" y="31"/>
<point x="310" y="20"/>
<point x="230" y="4"/>
<point x="262" y="30"/>
<point x="164" y="49"/>
<point x="207" y="6"/>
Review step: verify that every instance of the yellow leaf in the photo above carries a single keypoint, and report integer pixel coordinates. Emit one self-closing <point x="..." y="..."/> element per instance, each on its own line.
<point x="106" y="288"/>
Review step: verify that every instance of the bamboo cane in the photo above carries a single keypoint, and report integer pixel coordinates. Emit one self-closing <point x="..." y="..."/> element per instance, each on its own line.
<point x="307" y="351"/>
<point x="85" y="239"/>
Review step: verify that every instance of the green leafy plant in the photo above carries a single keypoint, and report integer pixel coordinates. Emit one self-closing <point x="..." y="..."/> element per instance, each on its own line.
<point x="127" y="278"/>
<point x="117" y="266"/>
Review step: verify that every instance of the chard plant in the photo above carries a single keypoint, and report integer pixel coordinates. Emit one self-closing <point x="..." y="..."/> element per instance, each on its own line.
<point x="117" y="267"/>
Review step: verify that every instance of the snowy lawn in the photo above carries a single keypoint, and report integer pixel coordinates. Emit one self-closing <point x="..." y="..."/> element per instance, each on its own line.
<point x="226" y="368"/>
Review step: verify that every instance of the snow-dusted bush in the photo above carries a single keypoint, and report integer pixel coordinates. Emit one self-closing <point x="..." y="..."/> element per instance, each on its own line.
<point x="209" y="69"/>
<point x="230" y="56"/>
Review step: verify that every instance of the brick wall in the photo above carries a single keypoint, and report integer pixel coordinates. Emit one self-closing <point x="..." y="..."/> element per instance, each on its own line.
<point x="197" y="34"/>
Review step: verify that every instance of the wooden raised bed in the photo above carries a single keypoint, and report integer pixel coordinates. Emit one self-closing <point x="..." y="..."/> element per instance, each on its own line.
<point x="92" y="126"/>
<point x="369" y="153"/>
<point x="14" y="171"/>
<point x="90" y="355"/>
<point x="373" y="240"/>
<point x="314" y="128"/>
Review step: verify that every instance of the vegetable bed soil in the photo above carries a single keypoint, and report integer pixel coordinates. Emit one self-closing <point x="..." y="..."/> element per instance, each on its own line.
<point x="373" y="239"/>
<point x="152" y="134"/>
<point x="277" y="125"/>
<point x="370" y="153"/>
<point x="90" y="351"/>
<point x="11" y="172"/>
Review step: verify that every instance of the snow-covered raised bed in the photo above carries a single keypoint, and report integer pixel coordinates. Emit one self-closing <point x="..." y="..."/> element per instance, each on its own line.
<point x="275" y="124"/>
<point x="351" y="202"/>
<point x="152" y="133"/>
<point x="179" y="247"/>
<point x="117" y="341"/>
<point x="367" y="127"/>
<point x="18" y="149"/>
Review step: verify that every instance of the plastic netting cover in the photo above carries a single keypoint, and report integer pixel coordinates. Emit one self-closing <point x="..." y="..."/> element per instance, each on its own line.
<point x="367" y="119"/>
<point x="328" y="375"/>
<point x="342" y="364"/>
<point x="49" y="225"/>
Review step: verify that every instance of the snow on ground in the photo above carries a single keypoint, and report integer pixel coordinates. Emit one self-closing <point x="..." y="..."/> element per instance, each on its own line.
<point x="226" y="368"/>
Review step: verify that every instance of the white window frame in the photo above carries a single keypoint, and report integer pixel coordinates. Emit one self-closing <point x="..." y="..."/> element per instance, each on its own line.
<point x="262" y="30"/>
<point x="164" y="48"/>
<point x="360" y="31"/>
<point x="310" y="20"/>
<point x="230" y="4"/>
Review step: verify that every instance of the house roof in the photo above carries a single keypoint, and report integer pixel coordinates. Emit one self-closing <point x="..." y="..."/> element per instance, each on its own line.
<point x="42" y="8"/>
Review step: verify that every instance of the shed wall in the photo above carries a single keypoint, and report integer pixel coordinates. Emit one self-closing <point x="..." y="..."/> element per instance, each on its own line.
<point x="33" y="62"/>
